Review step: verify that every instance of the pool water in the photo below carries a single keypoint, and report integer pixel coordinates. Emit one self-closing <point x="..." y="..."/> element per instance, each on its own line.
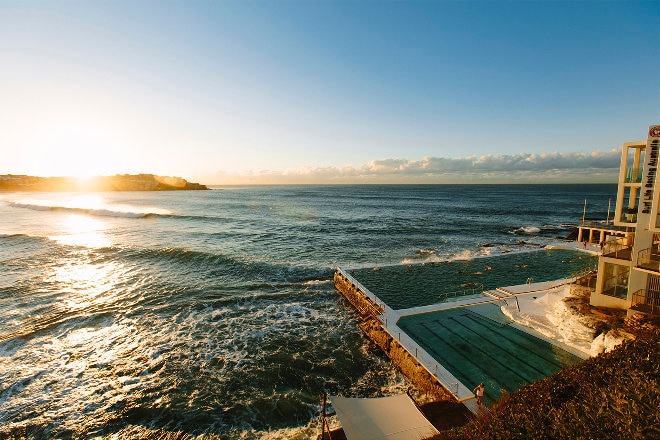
<point x="476" y="344"/>
<point x="402" y="286"/>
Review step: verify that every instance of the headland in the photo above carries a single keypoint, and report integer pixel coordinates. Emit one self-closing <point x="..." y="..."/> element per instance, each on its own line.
<point x="118" y="182"/>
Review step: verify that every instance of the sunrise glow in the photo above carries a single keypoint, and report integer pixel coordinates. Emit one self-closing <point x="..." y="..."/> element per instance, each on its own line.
<point x="308" y="92"/>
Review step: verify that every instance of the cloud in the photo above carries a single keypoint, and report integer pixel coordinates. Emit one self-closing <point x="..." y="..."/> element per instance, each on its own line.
<point x="594" y="167"/>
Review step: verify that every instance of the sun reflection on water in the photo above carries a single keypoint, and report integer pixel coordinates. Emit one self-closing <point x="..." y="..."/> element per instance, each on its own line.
<point x="89" y="284"/>
<point x="81" y="230"/>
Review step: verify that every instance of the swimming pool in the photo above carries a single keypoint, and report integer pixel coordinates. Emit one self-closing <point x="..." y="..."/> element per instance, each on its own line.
<point x="477" y="344"/>
<point x="402" y="286"/>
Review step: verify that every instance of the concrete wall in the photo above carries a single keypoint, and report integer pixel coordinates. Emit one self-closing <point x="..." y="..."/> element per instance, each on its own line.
<point x="599" y="300"/>
<point x="407" y="363"/>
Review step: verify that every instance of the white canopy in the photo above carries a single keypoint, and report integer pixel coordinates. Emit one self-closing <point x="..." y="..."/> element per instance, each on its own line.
<point x="395" y="417"/>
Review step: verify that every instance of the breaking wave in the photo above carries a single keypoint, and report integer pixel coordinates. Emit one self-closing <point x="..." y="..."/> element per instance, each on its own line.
<point x="101" y="212"/>
<point x="527" y="230"/>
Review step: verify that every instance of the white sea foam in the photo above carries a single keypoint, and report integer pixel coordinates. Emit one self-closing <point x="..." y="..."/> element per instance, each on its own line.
<point x="607" y="341"/>
<point x="527" y="230"/>
<point x="309" y="432"/>
<point x="99" y="211"/>
<point x="317" y="282"/>
<point x="548" y="314"/>
<point x="463" y="255"/>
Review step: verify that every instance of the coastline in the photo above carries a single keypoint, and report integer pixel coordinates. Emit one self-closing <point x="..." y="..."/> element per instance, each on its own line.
<point x="119" y="182"/>
<point x="285" y="300"/>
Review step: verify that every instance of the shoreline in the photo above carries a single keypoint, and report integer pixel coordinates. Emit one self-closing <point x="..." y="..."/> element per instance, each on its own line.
<point x="118" y="182"/>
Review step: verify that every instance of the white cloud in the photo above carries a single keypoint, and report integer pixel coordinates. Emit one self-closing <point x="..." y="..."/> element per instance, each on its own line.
<point x="594" y="167"/>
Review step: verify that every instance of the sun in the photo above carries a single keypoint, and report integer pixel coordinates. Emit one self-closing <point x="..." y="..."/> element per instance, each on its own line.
<point x="79" y="148"/>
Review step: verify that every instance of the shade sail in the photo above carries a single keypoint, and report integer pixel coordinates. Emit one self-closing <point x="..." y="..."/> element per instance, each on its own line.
<point x="392" y="418"/>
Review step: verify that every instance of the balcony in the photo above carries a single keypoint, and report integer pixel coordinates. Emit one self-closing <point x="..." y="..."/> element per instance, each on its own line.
<point x="629" y="215"/>
<point x="617" y="250"/>
<point x="646" y="302"/>
<point x="633" y="175"/>
<point x="649" y="259"/>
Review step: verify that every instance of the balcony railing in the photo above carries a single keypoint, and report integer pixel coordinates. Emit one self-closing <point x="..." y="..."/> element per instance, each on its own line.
<point x="646" y="301"/>
<point x="633" y="175"/>
<point x="629" y="216"/>
<point x="617" y="250"/>
<point x="649" y="259"/>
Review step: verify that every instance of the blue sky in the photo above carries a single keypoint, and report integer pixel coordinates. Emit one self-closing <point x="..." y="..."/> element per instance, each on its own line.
<point x="327" y="91"/>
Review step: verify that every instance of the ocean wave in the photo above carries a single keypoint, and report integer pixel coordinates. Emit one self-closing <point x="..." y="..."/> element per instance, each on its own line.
<point x="254" y="361"/>
<point x="317" y="282"/>
<point x="486" y="250"/>
<point x="464" y="255"/>
<point x="433" y="257"/>
<point x="101" y="212"/>
<point x="527" y="230"/>
<point x="22" y="238"/>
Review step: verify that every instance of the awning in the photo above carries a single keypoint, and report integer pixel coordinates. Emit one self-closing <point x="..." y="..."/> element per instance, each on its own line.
<point x="396" y="417"/>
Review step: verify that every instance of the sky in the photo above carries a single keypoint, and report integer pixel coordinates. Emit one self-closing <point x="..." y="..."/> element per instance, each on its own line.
<point x="322" y="92"/>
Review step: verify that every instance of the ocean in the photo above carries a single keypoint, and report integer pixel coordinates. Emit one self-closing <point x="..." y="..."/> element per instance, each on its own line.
<point x="214" y="312"/>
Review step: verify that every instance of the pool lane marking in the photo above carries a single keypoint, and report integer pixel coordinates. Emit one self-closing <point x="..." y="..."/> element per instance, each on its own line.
<point x="495" y="327"/>
<point x="474" y="357"/>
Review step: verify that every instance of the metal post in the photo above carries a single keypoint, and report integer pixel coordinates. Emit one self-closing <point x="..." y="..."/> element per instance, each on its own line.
<point x="323" y="411"/>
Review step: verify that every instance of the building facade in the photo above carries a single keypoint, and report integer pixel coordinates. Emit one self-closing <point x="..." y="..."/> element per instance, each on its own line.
<point x="629" y="266"/>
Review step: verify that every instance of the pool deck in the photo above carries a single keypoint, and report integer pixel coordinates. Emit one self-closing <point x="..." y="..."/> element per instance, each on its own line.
<point x="390" y="317"/>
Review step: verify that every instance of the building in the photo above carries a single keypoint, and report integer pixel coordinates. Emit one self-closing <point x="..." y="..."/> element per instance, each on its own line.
<point x="629" y="265"/>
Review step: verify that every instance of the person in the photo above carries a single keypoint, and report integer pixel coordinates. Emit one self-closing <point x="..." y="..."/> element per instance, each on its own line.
<point x="479" y="391"/>
<point x="585" y="244"/>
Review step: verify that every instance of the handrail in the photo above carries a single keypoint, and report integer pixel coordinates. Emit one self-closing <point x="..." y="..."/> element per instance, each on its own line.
<point x="584" y="272"/>
<point x="478" y="288"/>
<point x="648" y="259"/>
<point x="431" y="364"/>
<point x="614" y="248"/>
<point x="381" y="307"/>
<point x="629" y="215"/>
<point x="646" y="301"/>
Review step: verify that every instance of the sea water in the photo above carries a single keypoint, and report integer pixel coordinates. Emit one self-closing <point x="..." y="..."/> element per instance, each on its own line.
<point x="214" y="311"/>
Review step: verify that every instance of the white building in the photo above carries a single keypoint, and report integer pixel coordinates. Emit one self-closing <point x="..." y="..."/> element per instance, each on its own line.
<point x="629" y="267"/>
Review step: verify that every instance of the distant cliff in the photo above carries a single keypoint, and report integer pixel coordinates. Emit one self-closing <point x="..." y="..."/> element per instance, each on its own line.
<point x="119" y="182"/>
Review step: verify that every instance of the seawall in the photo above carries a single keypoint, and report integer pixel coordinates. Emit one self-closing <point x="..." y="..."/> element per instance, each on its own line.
<point x="371" y="311"/>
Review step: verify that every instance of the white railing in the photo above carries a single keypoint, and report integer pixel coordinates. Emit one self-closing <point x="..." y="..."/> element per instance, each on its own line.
<point x="364" y="290"/>
<point x="440" y="373"/>
<point x="389" y="324"/>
